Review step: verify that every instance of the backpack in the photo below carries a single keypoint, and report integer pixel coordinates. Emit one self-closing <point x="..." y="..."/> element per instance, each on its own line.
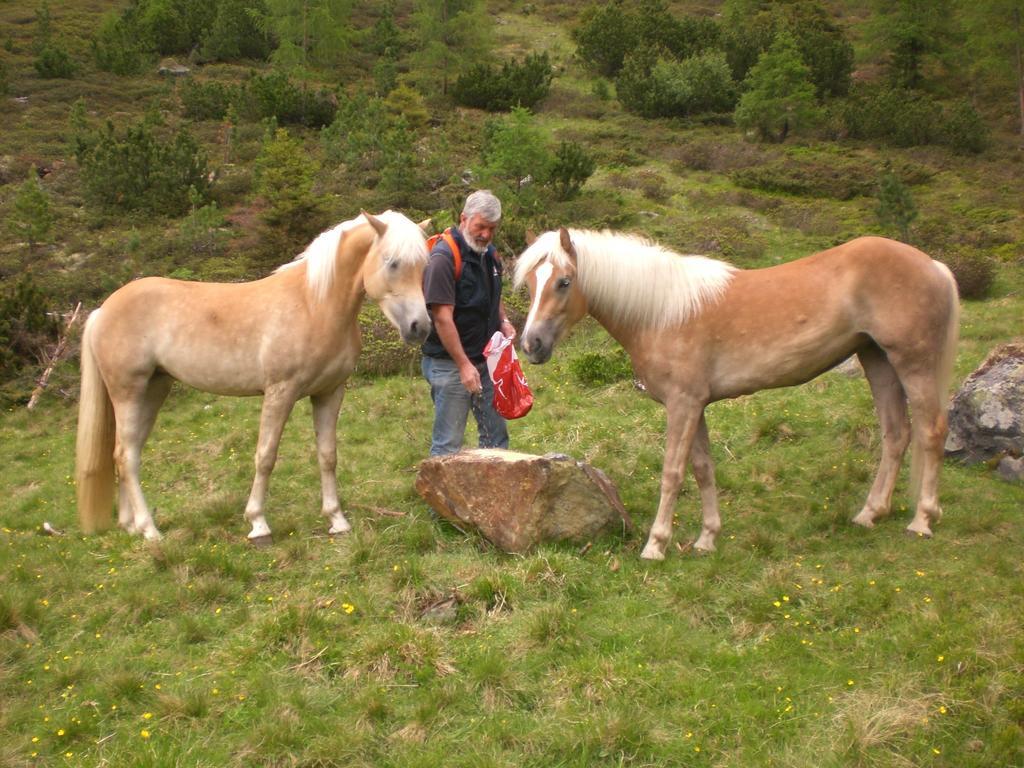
<point x="456" y="255"/>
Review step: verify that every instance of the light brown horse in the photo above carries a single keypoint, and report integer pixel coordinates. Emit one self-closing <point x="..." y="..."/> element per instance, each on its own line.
<point x="699" y="330"/>
<point x="289" y="335"/>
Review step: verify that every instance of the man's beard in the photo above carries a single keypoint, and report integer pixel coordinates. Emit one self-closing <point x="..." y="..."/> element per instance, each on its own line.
<point x="475" y="245"/>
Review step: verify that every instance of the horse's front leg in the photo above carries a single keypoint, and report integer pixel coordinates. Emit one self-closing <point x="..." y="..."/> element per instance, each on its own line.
<point x="277" y="405"/>
<point x="684" y="417"/>
<point x="325" y="423"/>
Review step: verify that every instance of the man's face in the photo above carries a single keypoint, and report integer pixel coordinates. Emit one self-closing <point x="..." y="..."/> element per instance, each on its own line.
<point x="478" y="231"/>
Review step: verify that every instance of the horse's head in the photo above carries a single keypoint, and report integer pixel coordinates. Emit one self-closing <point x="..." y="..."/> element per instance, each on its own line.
<point x="549" y="269"/>
<point x="393" y="273"/>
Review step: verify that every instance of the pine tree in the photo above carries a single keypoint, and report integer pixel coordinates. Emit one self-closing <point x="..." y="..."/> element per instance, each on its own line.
<point x="31" y="220"/>
<point x="779" y="94"/>
<point x="284" y="178"/>
<point x="447" y="32"/>
<point x="309" y="32"/>
<point x="896" y="209"/>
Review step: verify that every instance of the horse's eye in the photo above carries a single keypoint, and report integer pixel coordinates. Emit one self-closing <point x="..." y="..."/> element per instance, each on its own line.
<point x="392" y="265"/>
<point x="563" y="283"/>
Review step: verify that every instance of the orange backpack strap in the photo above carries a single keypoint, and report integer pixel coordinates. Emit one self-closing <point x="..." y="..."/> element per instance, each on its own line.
<point x="456" y="255"/>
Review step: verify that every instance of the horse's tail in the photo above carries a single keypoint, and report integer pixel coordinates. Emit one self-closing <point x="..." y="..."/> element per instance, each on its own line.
<point x="943" y="372"/>
<point x="94" y="448"/>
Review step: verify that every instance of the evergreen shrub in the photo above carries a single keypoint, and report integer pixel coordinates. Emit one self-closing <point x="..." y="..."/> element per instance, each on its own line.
<point x="26" y="326"/>
<point x="974" y="272"/>
<point x="963" y="130"/>
<point x="208" y="100"/>
<point x="53" y="62"/>
<point x="601" y="368"/>
<point x="900" y="116"/>
<point x="274" y="95"/>
<point x="512" y="85"/>
<point x="138" y="170"/>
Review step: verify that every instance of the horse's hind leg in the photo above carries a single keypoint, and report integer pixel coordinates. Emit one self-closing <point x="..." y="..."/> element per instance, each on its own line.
<point x="325" y="423"/>
<point x="891" y="406"/>
<point x="135" y="411"/>
<point x="704" y="473"/>
<point x="929" y="428"/>
<point x="277" y="405"/>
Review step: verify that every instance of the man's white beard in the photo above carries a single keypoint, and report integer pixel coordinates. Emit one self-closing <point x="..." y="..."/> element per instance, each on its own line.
<point x="474" y="244"/>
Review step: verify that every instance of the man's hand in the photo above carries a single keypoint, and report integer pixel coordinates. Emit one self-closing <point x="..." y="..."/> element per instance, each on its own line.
<point x="508" y="329"/>
<point x="470" y="377"/>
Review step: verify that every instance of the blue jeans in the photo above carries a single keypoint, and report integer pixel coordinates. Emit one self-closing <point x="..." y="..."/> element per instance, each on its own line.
<point x="452" y="404"/>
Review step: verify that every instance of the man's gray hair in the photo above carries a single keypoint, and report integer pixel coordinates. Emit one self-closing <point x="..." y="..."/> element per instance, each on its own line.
<point x="483" y="202"/>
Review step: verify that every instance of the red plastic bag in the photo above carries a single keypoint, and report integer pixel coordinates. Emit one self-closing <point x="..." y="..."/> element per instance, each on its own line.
<point x="512" y="396"/>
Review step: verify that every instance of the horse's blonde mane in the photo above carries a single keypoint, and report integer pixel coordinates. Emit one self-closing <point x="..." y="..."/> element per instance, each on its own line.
<point x="630" y="278"/>
<point x="403" y="241"/>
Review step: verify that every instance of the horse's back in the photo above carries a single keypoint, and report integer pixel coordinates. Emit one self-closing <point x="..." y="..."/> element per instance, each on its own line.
<point x="207" y="335"/>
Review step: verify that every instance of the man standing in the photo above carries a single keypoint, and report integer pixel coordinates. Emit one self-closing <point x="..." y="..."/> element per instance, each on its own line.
<point x="466" y="307"/>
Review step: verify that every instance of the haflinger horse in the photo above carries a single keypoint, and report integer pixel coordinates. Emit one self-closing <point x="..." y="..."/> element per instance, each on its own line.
<point x="290" y="335"/>
<point x="699" y="330"/>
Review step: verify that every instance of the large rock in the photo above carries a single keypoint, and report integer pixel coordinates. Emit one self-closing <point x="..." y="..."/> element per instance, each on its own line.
<point x="986" y="419"/>
<point x="517" y="500"/>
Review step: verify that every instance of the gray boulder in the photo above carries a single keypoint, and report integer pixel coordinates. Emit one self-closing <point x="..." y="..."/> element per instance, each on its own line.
<point x="517" y="500"/>
<point x="986" y="418"/>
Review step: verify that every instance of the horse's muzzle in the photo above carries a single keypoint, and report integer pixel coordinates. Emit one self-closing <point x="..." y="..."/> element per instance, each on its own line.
<point x="536" y="349"/>
<point x="410" y="318"/>
<point x="416" y="331"/>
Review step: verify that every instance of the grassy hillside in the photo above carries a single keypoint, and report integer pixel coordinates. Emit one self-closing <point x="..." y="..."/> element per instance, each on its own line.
<point x="804" y="641"/>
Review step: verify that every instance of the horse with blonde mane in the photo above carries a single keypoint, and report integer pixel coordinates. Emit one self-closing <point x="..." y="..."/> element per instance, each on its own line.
<point x="290" y="335"/>
<point x="699" y="330"/>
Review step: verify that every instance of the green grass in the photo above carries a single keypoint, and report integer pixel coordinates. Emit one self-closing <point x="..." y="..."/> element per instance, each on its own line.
<point x="803" y="641"/>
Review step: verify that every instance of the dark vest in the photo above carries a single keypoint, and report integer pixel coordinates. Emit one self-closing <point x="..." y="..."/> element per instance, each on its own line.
<point x="476" y="296"/>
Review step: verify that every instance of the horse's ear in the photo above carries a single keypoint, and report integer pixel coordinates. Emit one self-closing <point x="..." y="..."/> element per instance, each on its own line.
<point x="531" y="237"/>
<point x="376" y="223"/>
<point x="427" y="225"/>
<point x="566" y="241"/>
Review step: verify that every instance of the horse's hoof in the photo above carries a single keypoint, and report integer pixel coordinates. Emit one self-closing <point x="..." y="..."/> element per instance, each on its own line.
<point x="864" y="521"/>
<point x="335" y="531"/>
<point x="261" y="541"/>
<point x="918" y="534"/>
<point x="652" y="553"/>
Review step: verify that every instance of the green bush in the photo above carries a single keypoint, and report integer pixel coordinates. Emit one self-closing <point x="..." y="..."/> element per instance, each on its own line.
<point x="513" y="85"/>
<point x="138" y="170"/>
<point x="117" y="47"/>
<point x="899" y="116"/>
<point x="604" y="38"/>
<point x="601" y="368"/>
<point x="974" y="272"/>
<point x="235" y="34"/>
<point x="207" y="100"/>
<point x="607" y="34"/>
<point x="570" y="169"/>
<point x="274" y="95"/>
<point x="164" y="26"/>
<point x="53" y="61"/>
<point x="822" y="44"/>
<point x="356" y="136"/>
<point x="26" y="326"/>
<point x="963" y="130"/>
